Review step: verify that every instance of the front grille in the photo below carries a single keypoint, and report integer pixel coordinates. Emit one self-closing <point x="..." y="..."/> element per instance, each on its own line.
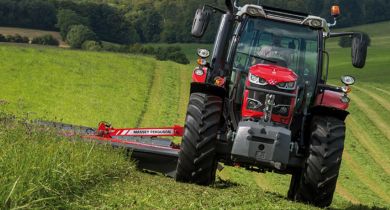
<point x="280" y="100"/>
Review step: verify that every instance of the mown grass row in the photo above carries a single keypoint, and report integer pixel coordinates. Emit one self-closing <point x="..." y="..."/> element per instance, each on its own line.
<point x="145" y="191"/>
<point x="39" y="169"/>
<point x="74" y="86"/>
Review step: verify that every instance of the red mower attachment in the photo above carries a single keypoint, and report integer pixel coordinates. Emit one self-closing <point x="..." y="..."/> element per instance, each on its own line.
<point x="147" y="147"/>
<point x="106" y="130"/>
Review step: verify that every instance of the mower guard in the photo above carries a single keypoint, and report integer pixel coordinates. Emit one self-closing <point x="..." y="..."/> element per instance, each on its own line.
<point x="145" y="145"/>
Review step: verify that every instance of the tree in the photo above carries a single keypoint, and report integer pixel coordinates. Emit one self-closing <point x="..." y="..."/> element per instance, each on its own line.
<point x="110" y="25"/>
<point x="67" y="18"/>
<point x="78" y="34"/>
<point x="147" y="22"/>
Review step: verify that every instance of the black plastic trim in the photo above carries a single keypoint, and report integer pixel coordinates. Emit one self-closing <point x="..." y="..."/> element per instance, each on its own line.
<point x="271" y="91"/>
<point x="208" y="89"/>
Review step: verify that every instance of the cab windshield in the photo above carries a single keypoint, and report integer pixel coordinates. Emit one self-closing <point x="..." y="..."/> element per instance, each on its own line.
<point x="288" y="45"/>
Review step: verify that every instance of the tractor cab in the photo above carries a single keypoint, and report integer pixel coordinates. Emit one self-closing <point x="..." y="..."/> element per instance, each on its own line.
<point x="273" y="55"/>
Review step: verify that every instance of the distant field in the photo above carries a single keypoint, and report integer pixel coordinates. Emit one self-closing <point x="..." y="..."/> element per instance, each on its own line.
<point x="32" y="33"/>
<point x="129" y="90"/>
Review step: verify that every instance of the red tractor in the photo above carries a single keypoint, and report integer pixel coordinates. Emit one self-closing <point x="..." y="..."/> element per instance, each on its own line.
<point x="263" y="104"/>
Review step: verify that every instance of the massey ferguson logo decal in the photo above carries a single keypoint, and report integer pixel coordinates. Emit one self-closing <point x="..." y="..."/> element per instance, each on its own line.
<point x="146" y="132"/>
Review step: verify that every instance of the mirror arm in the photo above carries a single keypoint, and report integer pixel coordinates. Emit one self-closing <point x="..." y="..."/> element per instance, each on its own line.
<point x="333" y="34"/>
<point x="331" y="25"/>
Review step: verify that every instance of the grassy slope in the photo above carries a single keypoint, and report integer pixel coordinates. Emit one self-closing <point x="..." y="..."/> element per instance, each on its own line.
<point x="363" y="179"/>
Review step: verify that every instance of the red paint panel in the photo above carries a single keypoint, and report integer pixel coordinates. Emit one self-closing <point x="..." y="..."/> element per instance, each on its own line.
<point x="199" y="78"/>
<point x="107" y="131"/>
<point x="331" y="99"/>
<point x="273" y="74"/>
<point x="257" y="114"/>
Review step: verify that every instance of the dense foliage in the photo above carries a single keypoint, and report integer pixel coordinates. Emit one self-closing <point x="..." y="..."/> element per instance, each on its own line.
<point x="67" y="18"/>
<point x="128" y="21"/>
<point x="45" y="40"/>
<point x="14" y="38"/>
<point x="78" y="34"/>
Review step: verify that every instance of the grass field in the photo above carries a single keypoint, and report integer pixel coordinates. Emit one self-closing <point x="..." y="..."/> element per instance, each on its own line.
<point x="129" y="90"/>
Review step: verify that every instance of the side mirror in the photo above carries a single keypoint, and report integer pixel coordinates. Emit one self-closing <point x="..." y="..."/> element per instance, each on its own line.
<point x="201" y="21"/>
<point x="359" y="50"/>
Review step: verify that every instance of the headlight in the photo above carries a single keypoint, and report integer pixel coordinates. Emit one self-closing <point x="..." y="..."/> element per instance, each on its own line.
<point x="345" y="99"/>
<point x="287" y="85"/>
<point x="257" y="80"/>
<point x="253" y="104"/>
<point x="348" y="80"/>
<point x="199" y="72"/>
<point x="315" y="23"/>
<point x="203" y="53"/>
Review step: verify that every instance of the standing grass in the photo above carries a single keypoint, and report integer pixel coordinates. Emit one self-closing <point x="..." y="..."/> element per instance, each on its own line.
<point x="41" y="170"/>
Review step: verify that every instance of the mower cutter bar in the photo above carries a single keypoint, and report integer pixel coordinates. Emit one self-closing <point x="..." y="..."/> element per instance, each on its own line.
<point x="149" y="150"/>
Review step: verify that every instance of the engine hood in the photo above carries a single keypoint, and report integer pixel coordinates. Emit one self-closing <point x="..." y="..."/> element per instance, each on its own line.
<point x="273" y="74"/>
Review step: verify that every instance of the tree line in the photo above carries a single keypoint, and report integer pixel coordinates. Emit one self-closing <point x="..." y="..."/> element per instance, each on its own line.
<point x="144" y="21"/>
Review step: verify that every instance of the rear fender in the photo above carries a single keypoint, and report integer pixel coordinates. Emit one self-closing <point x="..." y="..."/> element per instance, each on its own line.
<point x="197" y="87"/>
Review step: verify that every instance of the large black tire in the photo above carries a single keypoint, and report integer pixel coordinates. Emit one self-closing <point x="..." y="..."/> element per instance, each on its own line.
<point x="316" y="183"/>
<point x="197" y="157"/>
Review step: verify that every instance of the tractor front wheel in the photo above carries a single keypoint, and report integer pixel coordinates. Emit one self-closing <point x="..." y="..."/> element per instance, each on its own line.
<point x="197" y="157"/>
<point x="316" y="183"/>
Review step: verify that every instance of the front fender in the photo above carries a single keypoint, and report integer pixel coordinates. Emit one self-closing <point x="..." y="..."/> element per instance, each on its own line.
<point x="331" y="99"/>
<point x="198" y="87"/>
<point x="329" y="103"/>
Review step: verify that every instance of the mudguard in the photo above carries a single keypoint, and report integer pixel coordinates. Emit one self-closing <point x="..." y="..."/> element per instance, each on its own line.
<point x="197" y="87"/>
<point x="329" y="103"/>
<point x="331" y="99"/>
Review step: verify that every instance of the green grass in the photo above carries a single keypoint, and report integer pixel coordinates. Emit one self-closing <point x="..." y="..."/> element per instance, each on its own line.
<point x="75" y="86"/>
<point x="40" y="170"/>
<point x="86" y="87"/>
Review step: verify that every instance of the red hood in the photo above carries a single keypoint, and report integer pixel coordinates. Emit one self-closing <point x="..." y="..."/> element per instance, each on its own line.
<point x="273" y="74"/>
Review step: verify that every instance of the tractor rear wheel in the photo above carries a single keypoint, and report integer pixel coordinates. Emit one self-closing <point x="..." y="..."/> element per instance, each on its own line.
<point x="197" y="157"/>
<point x="316" y="183"/>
